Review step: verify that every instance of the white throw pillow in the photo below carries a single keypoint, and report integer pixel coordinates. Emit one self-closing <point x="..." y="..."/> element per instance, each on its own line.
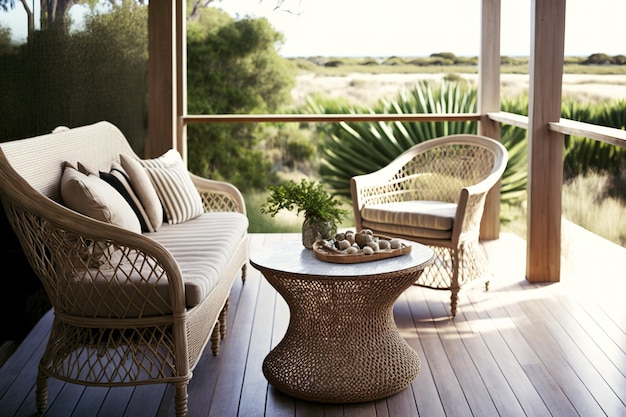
<point x="144" y="189"/>
<point x="180" y="198"/>
<point x="93" y="197"/>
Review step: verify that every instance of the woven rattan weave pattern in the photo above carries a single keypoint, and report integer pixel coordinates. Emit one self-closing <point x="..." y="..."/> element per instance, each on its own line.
<point x="342" y="344"/>
<point x="134" y="328"/>
<point x="458" y="169"/>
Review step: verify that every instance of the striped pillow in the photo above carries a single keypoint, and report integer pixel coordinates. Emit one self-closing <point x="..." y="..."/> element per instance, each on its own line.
<point x="180" y="198"/>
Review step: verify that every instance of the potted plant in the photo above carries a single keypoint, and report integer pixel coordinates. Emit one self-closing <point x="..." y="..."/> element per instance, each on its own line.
<point x="322" y="212"/>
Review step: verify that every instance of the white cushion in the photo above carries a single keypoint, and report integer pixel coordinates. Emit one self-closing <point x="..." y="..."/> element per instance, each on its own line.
<point x="436" y="215"/>
<point x="142" y="185"/>
<point x="180" y="198"/>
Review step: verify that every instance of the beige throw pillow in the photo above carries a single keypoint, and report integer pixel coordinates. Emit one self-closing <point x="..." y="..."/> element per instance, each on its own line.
<point x="144" y="189"/>
<point x="180" y="198"/>
<point x="93" y="197"/>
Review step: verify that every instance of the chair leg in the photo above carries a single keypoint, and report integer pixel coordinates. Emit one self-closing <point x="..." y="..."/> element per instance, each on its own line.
<point x="454" y="283"/>
<point x="454" y="300"/>
<point x="180" y="401"/>
<point x="42" y="391"/>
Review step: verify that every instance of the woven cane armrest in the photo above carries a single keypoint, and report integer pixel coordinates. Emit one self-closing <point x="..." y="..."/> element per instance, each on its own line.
<point x="60" y="246"/>
<point x="219" y="195"/>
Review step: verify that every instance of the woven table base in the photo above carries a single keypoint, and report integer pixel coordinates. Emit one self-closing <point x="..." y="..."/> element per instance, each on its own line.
<point x="342" y="344"/>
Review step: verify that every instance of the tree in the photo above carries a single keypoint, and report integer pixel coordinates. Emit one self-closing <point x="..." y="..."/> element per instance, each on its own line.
<point x="54" y="13"/>
<point x="233" y="68"/>
<point x="95" y="73"/>
<point x="5" y="40"/>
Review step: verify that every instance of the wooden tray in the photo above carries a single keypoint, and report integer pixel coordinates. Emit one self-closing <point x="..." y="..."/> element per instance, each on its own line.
<point x="330" y="254"/>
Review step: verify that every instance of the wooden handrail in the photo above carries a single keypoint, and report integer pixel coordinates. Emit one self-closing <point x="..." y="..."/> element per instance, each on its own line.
<point x="517" y="120"/>
<point x="333" y="118"/>
<point x="604" y="134"/>
<point x="567" y="127"/>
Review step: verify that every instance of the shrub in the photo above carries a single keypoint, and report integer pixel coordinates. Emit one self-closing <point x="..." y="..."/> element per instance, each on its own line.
<point x="598" y="59"/>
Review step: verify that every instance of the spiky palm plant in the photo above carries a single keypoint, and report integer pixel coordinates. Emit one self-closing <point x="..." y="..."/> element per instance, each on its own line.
<point x="584" y="154"/>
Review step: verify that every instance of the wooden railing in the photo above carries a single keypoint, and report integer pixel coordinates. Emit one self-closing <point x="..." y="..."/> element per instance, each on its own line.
<point x="564" y="126"/>
<point x="605" y="134"/>
<point x="329" y="118"/>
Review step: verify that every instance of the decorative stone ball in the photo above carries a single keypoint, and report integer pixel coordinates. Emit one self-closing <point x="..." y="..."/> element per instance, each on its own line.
<point x="368" y="251"/>
<point x="374" y="246"/>
<point x="344" y="244"/>
<point x="362" y="239"/>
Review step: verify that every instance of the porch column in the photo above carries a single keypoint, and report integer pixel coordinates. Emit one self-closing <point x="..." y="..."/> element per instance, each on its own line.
<point x="545" y="148"/>
<point x="162" y="81"/>
<point x="489" y="101"/>
<point x="180" y="136"/>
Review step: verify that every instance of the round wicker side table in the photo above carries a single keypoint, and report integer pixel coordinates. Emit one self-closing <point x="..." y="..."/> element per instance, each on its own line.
<point x="342" y="344"/>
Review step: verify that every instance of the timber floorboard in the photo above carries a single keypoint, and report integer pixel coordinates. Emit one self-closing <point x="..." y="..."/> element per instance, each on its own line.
<point x="519" y="349"/>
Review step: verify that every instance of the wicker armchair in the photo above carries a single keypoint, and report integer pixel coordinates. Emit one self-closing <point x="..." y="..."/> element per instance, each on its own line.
<point x="434" y="193"/>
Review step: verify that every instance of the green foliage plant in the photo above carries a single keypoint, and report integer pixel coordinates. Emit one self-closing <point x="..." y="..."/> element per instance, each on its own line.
<point x="233" y="67"/>
<point x="358" y="148"/>
<point x="584" y="155"/>
<point x="362" y="147"/>
<point x="307" y="197"/>
<point x="94" y="72"/>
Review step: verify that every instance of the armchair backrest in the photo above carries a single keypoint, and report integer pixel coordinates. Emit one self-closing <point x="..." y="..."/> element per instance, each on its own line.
<point x="438" y="169"/>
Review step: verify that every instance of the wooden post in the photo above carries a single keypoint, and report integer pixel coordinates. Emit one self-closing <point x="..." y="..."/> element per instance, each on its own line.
<point x="545" y="148"/>
<point x="489" y="101"/>
<point x="162" y="81"/>
<point x="181" y="80"/>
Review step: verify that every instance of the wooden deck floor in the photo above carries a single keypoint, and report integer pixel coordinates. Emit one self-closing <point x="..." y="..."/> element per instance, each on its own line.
<point x="519" y="349"/>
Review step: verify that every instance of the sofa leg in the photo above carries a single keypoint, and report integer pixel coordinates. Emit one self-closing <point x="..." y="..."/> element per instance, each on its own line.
<point x="180" y="401"/>
<point x="215" y="339"/>
<point x="222" y="319"/>
<point x="42" y="391"/>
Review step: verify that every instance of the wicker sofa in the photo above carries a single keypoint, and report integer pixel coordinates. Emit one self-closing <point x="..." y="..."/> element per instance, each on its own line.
<point x="131" y="306"/>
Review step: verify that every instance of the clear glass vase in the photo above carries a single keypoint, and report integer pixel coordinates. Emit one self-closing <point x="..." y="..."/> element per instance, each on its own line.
<point x="315" y="229"/>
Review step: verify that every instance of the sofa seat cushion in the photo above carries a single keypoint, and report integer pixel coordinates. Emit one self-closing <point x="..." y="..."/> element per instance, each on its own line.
<point x="428" y="219"/>
<point x="202" y="247"/>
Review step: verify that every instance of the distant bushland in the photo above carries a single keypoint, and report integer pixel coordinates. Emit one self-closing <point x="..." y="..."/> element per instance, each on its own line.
<point x="597" y="63"/>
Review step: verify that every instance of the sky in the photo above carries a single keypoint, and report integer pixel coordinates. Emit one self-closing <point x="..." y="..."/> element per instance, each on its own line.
<point x="372" y="28"/>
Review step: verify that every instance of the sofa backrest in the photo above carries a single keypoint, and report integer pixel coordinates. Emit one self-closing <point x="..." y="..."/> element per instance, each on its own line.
<point x="40" y="160"/>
